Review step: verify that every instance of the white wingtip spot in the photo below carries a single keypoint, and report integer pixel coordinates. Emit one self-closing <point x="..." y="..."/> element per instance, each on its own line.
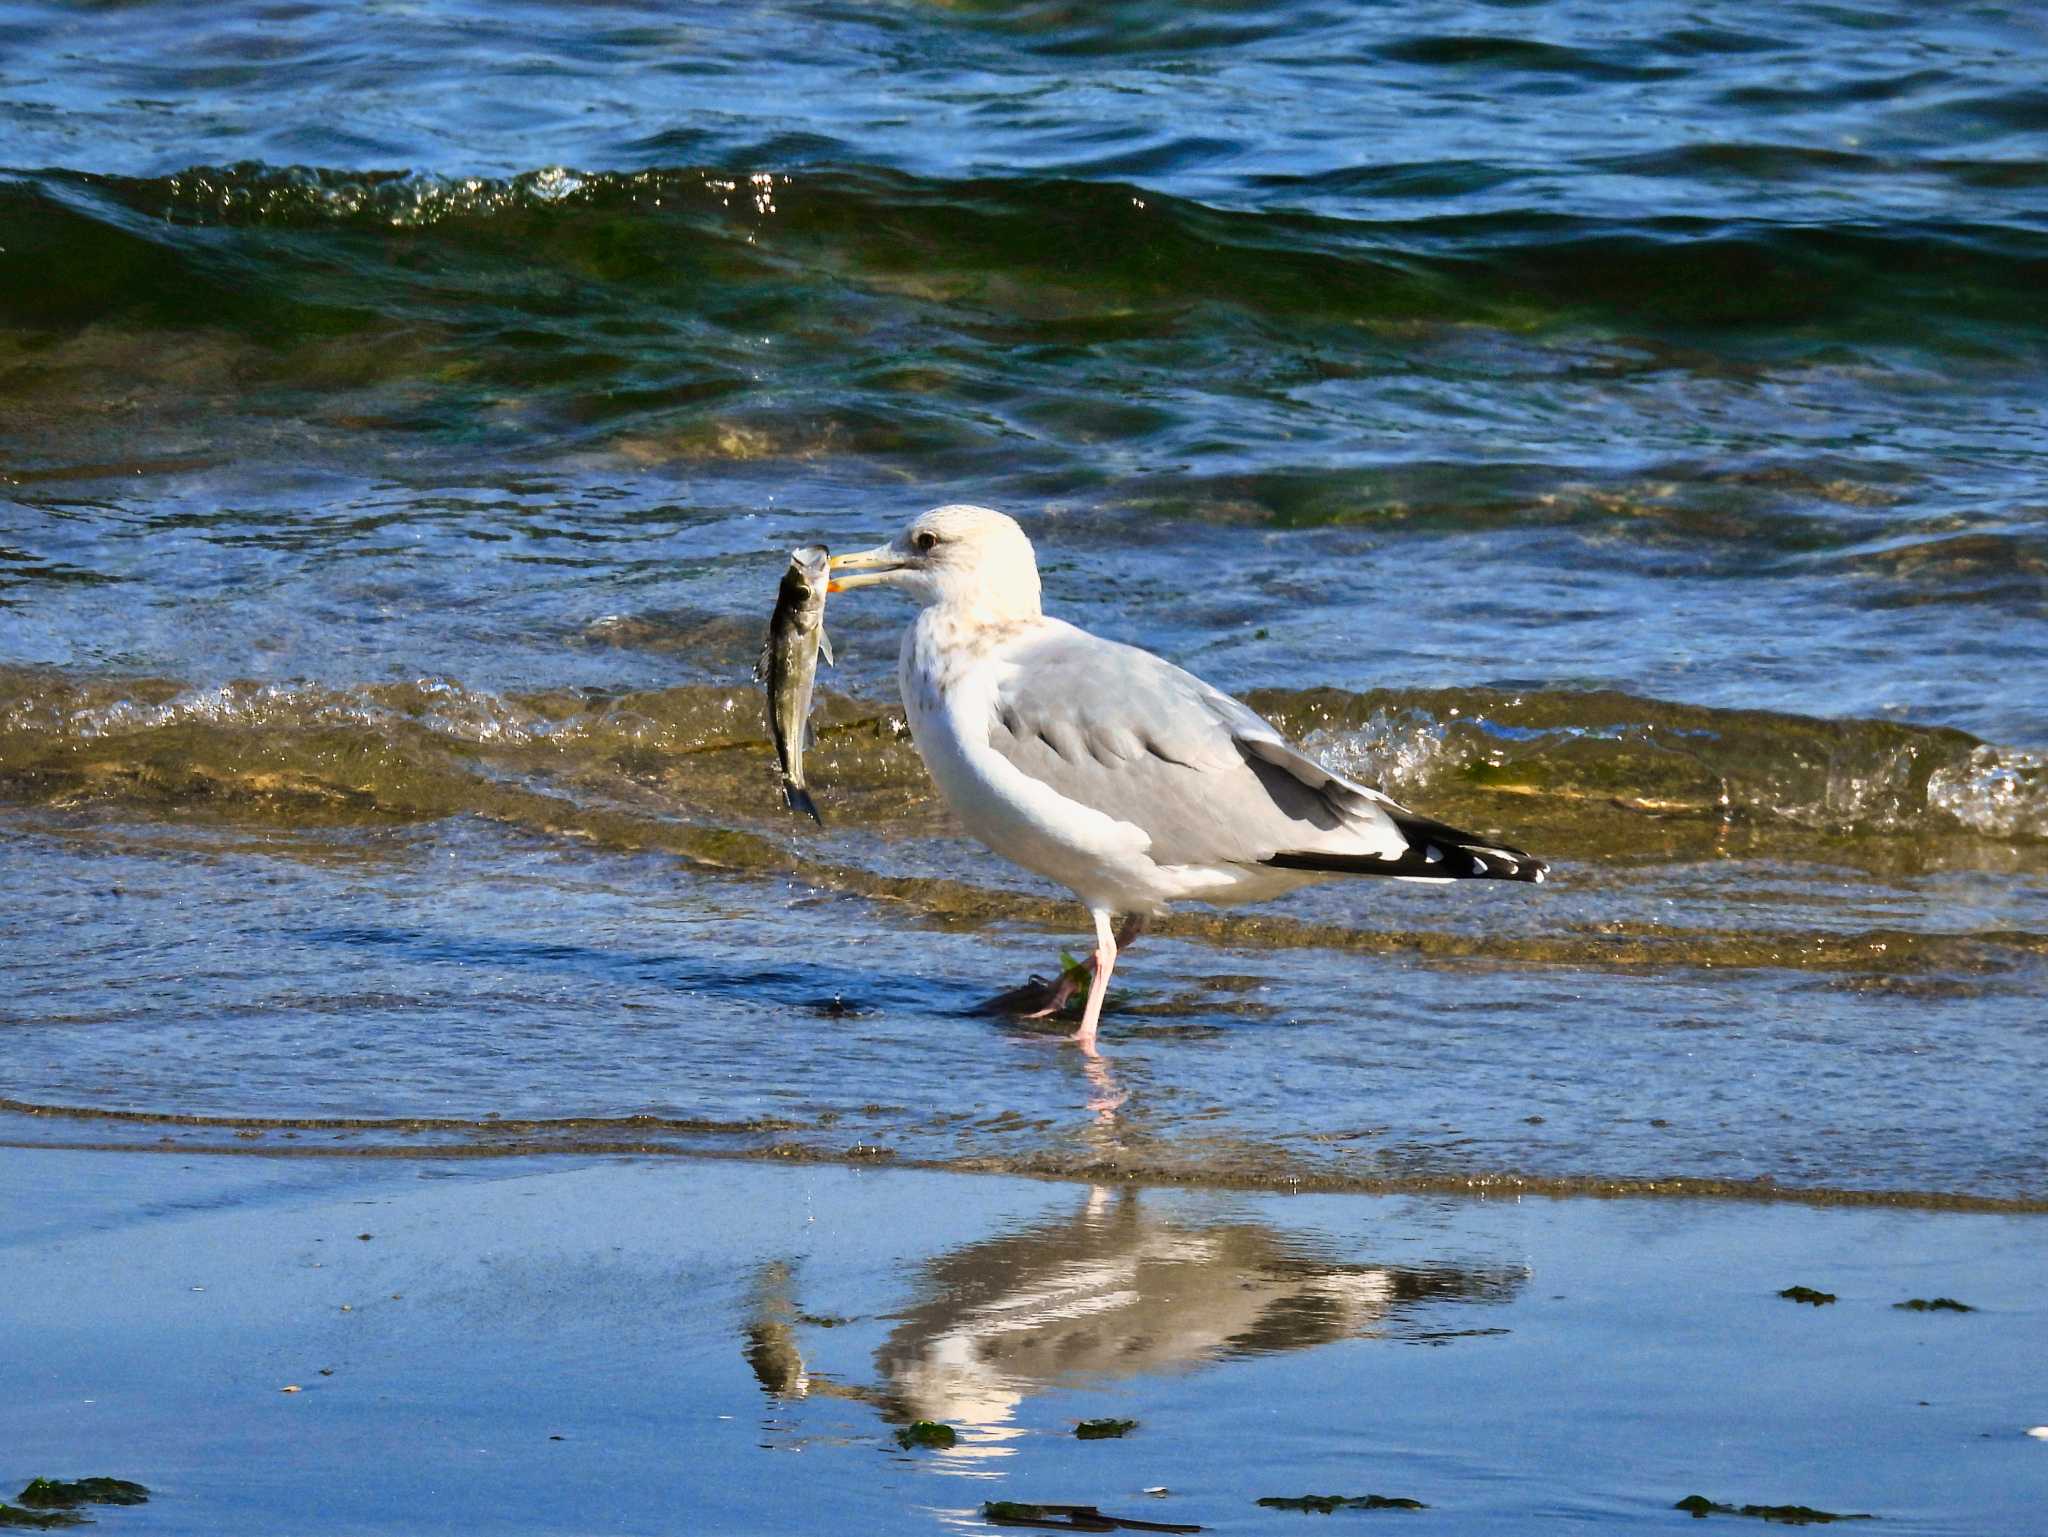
<point x="1541" y="875"/>
<point x="1433" y="855"/>
<point x="1478" y="865"/>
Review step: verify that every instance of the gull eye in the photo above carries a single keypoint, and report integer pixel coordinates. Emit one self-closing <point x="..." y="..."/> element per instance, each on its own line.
<point x="924" y="542"/>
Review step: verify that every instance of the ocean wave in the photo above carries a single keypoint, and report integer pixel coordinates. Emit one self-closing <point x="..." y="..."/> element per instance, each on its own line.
<point x="1845" y="778"/>
<point x="1583" y="769"/>
<point x="1995" y="791"/>
<point x="1083" y="245"/>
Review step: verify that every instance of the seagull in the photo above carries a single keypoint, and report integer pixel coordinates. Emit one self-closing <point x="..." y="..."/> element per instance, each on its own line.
<point x="1111" y="771"/>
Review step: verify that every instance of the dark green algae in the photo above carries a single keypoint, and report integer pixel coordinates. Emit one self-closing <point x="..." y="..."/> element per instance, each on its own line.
<point x="1700" y="1507"/>
<point x="64" y="1494"/>
<point x="1104" y="1430"/>
<point x="47" y="1503"/>
<point x="1326" y="1504"/>
<point x="1807" y="1295"/>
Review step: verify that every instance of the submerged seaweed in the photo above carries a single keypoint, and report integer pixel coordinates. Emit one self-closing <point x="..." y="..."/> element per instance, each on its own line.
<point x="63" y="1493"/>
<point x="1325" y="1504"/>
<point x="1072" y="1518"/>
<point x="1787" y="1515"/>
<point x="33" y="1520"/>
<point x="1103" y="1430"/>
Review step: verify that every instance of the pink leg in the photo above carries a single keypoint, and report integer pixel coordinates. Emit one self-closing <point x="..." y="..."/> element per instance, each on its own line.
<point x="1098" y="982"/>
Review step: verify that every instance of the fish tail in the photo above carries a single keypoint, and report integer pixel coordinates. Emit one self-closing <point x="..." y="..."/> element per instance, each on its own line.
<point x="799" y="799"/>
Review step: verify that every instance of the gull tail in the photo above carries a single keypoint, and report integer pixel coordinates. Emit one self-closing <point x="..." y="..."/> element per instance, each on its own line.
<point x="1435" y="852"/>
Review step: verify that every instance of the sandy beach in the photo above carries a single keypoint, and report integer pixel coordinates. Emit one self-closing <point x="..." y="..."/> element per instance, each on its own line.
<point x="701" y="1345"/>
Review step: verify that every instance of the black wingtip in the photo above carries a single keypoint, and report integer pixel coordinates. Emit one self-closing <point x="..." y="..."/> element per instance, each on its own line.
<point x="800" y="800"/>
<point x="1449" y="864"/>
<point x="1435" y="852"/>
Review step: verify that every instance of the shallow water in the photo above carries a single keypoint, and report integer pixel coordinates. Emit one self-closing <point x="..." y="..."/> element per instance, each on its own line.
<point x="1618" y="430"/>
<point x="730" y="1348"/>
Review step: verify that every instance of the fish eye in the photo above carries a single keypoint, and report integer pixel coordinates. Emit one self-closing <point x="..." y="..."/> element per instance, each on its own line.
<point x="924" y="541"/>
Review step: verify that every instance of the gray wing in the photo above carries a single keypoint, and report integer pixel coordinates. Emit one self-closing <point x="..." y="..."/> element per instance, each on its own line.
<point x="1206" y="779"/>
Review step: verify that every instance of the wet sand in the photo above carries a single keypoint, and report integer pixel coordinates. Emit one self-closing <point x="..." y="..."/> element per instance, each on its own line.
<point x="583" y="1345"/>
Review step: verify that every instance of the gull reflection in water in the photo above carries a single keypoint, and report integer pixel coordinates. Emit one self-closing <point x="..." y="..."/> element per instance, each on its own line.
<point x="1112" y="1291"/>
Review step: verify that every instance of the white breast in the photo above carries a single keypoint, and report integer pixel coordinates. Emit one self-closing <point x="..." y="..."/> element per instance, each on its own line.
<point x="949" y="689"/>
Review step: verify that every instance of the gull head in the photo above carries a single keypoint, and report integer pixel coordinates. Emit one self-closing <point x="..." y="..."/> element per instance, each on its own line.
<point x="972" y="558"/>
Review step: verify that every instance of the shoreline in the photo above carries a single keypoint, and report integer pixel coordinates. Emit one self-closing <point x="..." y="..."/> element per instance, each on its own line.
<point x="516" y="1138"/>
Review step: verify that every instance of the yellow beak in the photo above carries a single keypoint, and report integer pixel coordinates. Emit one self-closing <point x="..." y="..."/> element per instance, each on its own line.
<point x="876" y="566"/>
